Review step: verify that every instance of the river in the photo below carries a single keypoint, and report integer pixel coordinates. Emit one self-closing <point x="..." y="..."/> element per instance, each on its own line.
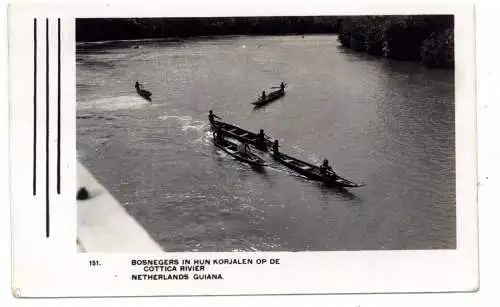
<point x="387" y="124"/>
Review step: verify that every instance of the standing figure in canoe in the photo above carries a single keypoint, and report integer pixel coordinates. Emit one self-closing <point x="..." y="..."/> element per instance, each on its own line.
<point x="211" y="116"/>
<point x="145" y="94"/>
<point x="261" y="138"/>
<point x="276" y="147"/>
<point x="325" y="168"/>
<point x="282" y="86"/>
<point x="263" y="97"/>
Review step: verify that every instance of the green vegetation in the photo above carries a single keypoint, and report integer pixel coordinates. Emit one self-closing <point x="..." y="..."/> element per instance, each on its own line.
<point x="425" y="38"/>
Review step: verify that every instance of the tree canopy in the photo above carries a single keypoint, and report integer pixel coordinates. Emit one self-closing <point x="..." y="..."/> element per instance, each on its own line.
<point x="89" y="29"/>
<point x="425" y="38"/>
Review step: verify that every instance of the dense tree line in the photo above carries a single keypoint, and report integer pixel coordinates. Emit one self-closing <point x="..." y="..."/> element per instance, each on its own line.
<point x="425" y="38"/>
<point x="138" y="28"/>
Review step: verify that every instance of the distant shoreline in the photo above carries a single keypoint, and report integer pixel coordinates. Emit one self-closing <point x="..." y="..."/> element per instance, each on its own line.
<point x="180" y="39"/>
<point x="101" y="29"/>
<point x="428" y="39"/>
<point x="102" y="42"/>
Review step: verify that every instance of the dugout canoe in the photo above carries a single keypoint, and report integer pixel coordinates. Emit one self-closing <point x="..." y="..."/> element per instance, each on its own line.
<point x="145" y="94"/>
<point x="242" y="135"/>
<point x="313" y="172"/>
<point x="232" y="149"/>
<point x="269" y="98"/>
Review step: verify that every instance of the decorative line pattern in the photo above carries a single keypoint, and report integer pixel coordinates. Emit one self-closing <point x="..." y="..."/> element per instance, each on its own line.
<point x="58" y="105"/>
<point x="47" y="185"/>
<point x="35" y="54"/>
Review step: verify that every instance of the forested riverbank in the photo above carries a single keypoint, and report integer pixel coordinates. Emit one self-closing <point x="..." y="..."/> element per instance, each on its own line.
<point x="90" y="29"/>
<point x="428" y="39"/>
<point x="425" y="38"/>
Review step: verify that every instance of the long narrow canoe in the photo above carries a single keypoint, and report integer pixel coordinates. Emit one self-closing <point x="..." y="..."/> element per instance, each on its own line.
<point x="313" y="172"/>
<point x="145" y="94"/>
<point x="246" y="157"/>
<point x="269" y="97"/>
<point x="242" y="135"/>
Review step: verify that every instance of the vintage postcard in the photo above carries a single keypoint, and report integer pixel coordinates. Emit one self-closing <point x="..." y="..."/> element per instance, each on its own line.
<point x="239" y="149"/>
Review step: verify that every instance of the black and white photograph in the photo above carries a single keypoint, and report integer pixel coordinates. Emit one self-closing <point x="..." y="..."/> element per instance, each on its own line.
<point x="282" y="134"/>
<point x="240" y="149"/>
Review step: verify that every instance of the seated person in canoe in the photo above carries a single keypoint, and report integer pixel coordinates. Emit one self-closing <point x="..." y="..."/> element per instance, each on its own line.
<point x="325" y="169"/>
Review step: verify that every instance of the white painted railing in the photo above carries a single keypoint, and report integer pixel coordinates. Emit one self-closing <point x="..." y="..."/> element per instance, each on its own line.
<point x="104" y="225"/>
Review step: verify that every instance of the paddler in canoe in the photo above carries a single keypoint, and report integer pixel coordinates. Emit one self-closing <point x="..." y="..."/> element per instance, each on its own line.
<point x="281" y="87"/>
<point x="142" y="92"/>
<point x="276" y="147"/>
<point x="261" y="138"/>
<point x="211" y="116"/>
<point x="138" y="86"/>
<point x="325" y="169"/>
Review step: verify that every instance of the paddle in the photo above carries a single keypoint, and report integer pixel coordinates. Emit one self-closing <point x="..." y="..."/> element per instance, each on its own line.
<point x="286" y="84"/>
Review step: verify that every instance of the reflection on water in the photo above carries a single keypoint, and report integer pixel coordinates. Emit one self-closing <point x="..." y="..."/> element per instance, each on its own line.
<point x="384" y="123"/>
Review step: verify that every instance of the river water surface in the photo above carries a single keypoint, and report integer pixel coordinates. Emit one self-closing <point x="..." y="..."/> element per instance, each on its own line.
<point x="387" y="124"/>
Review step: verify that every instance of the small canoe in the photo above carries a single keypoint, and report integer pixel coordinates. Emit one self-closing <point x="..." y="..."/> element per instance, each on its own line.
<point x="313" y="172"/>
<point x="242" y="135"/>
<point x="269" y="98"/>
<point x="145" y="94"/>
<point x="246" y="157"/>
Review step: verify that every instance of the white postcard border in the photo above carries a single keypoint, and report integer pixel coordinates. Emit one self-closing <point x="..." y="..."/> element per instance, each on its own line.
<point x="51" y="267"/>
